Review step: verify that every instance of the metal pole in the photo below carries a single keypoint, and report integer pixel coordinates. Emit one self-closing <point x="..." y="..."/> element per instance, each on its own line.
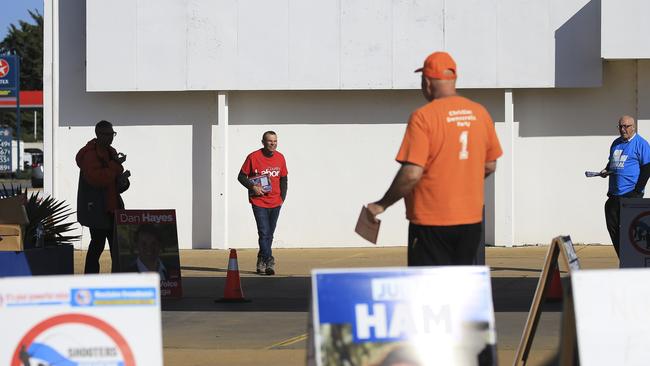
<point x="18" y="113"/>
<point x="35" y="127"/>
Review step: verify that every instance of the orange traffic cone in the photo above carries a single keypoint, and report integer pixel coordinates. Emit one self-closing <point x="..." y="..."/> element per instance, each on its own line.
<point x="554" y="292"/>
<point x="233" y="291"/>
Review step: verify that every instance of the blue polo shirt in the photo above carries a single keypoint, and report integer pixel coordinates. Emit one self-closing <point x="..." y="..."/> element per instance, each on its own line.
<point x="625" y="160"/>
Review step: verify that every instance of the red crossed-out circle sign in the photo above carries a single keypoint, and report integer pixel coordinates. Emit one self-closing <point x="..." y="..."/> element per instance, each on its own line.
<point x="638" y="233"/>
<point x="99" y="324"/>
<point x="4" y="67"/>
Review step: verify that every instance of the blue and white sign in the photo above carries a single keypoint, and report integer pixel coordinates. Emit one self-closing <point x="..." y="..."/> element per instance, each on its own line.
<point x="5" y="150"/>
<point x="127" y="296"/>
<point x="9" y="91"/>
<point x="421" y="315"/>
<point x="81" y="320"/>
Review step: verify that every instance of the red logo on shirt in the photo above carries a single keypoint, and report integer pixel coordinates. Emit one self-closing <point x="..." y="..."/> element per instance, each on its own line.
<point x="273" y="172"/>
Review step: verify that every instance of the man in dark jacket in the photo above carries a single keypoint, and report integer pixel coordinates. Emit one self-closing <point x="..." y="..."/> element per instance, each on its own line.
<point x="101" y="180"/>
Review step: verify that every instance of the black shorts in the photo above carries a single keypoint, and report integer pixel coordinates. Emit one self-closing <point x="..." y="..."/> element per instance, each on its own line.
<point x="443" y="245"/>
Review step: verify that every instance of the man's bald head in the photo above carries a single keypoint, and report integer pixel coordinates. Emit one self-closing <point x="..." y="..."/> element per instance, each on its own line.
<point x="627" y="119"/>
<point x="438" y="88"/>
<point x="626" y="127"/>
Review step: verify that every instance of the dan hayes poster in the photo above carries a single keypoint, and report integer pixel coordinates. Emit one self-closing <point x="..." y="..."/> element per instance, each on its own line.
<point x="80" y="320"/>
<point x="147" y="241"/>
<point x="404" y="316"/>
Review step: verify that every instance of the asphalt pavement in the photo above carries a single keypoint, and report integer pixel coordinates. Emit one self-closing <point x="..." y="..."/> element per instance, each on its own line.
<point x="271" y="328"/>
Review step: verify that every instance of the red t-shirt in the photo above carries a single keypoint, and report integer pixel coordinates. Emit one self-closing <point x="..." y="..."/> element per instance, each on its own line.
<point x="274" y="166"/>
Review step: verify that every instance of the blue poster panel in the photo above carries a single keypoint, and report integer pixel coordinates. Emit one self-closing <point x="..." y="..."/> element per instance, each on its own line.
<point x="5" y="150"/>
<point x="411" y="316"/>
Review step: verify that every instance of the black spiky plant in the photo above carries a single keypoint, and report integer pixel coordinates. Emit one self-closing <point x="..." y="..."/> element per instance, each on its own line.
<point x="45" y="214"/>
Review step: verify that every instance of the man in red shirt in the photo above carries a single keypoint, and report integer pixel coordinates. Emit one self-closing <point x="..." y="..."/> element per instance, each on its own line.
<point x="264" y="174"/>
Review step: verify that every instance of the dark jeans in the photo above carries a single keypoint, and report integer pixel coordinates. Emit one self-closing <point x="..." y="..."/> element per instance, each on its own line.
<point x="98" y="238"/>
<point x="443" y="245"/>
<point x="266" y="218"/>
<point x="613" y="220"/>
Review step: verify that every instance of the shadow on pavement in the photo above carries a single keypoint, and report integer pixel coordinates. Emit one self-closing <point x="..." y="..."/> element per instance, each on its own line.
<point x="515" y="294"/>
<point x="292" y="294"/>
<point x="267" y="293"/>
<point x="212" y="269"/>
<point x="495" y="269"/>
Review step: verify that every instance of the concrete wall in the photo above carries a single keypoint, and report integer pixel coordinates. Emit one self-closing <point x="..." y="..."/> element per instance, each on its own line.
<point x="165" y="135"/>
<point x="167" y="45"/>
<point x="340" y="148"/>
<point x="185" y="148"/>
<point x="625" y="29"/>
<point x="562" y="133"/>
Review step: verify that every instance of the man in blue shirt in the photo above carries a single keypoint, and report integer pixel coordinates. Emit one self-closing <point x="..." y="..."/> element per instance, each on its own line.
<point x="628" y="170"/>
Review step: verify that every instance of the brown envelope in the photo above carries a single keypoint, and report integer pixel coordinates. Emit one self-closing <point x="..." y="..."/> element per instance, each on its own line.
<point x="366" y="226"/>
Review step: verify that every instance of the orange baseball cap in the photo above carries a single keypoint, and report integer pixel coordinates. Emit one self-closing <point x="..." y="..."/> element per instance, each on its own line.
<point x="436" y="64"/>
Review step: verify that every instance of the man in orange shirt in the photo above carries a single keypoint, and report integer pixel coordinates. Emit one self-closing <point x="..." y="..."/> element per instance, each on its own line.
<point x="449" y="147"/>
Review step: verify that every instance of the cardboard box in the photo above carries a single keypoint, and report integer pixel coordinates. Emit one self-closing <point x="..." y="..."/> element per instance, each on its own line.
<point x="11" y="237"/>
<point x="12" y="210"/>
<point x="13" y="219"/>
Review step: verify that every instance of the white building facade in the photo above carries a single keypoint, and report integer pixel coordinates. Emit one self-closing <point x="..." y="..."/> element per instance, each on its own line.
<point x="191" y="85"/>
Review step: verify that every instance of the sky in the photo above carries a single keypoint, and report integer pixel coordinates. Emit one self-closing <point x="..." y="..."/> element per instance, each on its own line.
<point x="11" y="11"/>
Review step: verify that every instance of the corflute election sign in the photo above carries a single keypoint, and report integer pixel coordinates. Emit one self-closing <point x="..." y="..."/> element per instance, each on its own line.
<point x="147" y="241"/>
<point x="108" y="320"/>
<point x="55" y="342"/>
<point x="395" y="316"/>
<point x="635" y="233"/>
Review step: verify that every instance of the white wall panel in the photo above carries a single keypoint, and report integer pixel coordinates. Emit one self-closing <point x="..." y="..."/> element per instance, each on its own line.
<point x="643" y="94"/>
<point x="344" y="135"/>
<point x="225" y="68"/>
<point x="625" y="29"/>
<point x="524" y="44"/>
<point x="165" y="135"/>
<point x="470" y="37"/>
<point x="340" y="148"/>
<point x="333" y="142"/>
<point x="202" y="44"/>
<point x="417" y="32"/>
<point x="263" y="34"/>
<point x="563" y="133"/>
<point x="354" y="44"/>
<point x="366" y="44"/>
<point x="322" y="107"/>
<point x="327" y="186"/>
<point x="166" y="143"/>
<point x="643" y="89"/>
<point x="111" y="55"/>
<point x="161" y="41"/>
<point x="576" y="28"/>
<point x="558" y="199"/>
<point x="314" y="41"/>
